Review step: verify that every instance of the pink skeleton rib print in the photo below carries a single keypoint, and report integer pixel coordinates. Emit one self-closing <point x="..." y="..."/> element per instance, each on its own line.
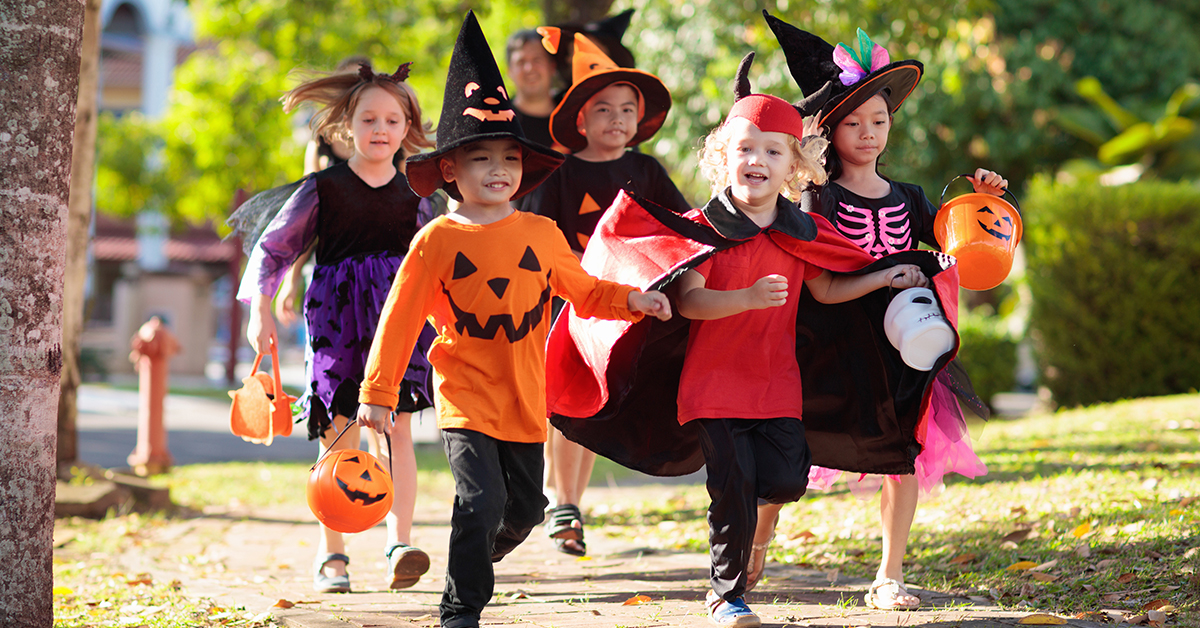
<point x="878" y="233"/>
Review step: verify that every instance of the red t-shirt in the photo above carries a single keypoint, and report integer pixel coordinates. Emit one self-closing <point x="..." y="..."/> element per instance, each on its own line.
<point x="744" y="366"/>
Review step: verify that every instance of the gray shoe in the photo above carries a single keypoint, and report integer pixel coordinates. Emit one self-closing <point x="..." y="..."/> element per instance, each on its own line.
<point x="408" y="565"/>
<point x="330" y="584"/>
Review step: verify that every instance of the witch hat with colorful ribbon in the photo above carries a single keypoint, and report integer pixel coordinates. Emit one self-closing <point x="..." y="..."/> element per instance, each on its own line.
<point x="476" y="108"/>
<point x="591" y="72"/>
<point x="837" y="80"/>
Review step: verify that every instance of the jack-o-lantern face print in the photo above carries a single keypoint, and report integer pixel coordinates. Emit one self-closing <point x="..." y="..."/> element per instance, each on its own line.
<point x="360" y="480"/>
<point x="486" y="106"/>
<point x="468" y="323"/>
<point x="997" y="226"/>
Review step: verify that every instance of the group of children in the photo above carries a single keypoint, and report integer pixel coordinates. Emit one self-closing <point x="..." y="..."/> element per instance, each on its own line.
<point x="408" y="309"/>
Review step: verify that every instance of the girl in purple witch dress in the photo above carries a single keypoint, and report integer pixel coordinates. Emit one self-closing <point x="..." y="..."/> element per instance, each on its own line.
<point x="361" y="215"/>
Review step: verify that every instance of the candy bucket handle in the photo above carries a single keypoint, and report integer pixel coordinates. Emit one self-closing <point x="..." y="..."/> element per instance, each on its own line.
<point x="942" y="198"/>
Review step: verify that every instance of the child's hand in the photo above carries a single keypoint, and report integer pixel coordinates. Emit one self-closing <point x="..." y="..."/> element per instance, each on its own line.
<point x="374" y="417"/>
<point x="812" y="127"/>
<point x="905" y="276"/>
<point x="770" y="291"/>
<point x="260" y="329"/>
<point x="988" y="182"/>
<point x="653" y="303"/>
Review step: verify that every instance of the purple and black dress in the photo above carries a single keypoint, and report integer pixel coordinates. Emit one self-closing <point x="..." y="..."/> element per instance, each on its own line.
<point x="362" y="235"/>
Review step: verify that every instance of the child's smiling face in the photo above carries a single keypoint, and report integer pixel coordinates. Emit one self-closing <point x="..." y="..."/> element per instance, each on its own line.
<point x="862" y="135"/>
<point x="610" y="118"/>
<point x="487" y="173"/>
<point x="378" y="125"/>
<point x="759" y="163"/>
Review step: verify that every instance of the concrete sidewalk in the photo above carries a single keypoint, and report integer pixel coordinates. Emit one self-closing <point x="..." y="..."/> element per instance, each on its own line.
<point x="261" y="560"/>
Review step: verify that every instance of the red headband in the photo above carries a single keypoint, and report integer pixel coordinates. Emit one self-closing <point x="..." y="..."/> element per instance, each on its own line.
<point x="769" y="113"/>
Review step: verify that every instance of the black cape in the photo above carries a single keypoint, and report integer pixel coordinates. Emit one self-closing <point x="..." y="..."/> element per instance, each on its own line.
<point x="612" y="385"/>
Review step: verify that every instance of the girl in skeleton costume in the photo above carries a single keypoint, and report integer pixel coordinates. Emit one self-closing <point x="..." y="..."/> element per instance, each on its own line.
<point x="854" y="96"/>
<point x="361" y="214"/>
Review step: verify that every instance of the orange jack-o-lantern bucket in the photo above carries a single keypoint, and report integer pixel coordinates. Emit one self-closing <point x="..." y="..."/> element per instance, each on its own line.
<point x="982" y="231"/>
<point x="349" y="490"/>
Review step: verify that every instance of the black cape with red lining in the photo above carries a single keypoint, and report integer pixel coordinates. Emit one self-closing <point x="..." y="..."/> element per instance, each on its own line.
<point x="612" y="385"/>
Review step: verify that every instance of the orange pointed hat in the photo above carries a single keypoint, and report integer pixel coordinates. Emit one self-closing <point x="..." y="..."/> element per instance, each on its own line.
<point x="591" y="72"/>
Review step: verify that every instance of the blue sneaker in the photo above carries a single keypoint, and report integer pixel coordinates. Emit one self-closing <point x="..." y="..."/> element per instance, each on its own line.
<point x="735" y="613"/>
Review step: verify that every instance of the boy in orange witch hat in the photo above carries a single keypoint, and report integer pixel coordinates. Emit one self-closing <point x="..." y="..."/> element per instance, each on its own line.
<point x="606" y="110"/>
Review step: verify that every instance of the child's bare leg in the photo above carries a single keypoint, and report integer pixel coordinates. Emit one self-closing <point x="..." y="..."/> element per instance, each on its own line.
<point x="764" y="530"/>
<point x="897" y="507"/>
<point x="331" y="541"/>
<point x="572" y="471"/>
<point x="403" y="467"/>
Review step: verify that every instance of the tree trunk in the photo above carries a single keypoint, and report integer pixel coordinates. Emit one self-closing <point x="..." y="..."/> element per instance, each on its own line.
<point x="79" y="218"/>
<point x="575" y="11"/>
<point x="40" y="49"/>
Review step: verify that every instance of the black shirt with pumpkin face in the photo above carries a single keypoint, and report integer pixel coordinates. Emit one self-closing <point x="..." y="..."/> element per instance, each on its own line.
<point x="576" y="195"/>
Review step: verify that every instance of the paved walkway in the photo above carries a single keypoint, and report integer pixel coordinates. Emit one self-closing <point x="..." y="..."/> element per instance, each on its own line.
<point x="255" y="557"/>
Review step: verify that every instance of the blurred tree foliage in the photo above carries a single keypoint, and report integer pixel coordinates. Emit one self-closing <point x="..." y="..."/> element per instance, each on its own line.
<point x="225" y="128"/>
<point x="997" y="73"/>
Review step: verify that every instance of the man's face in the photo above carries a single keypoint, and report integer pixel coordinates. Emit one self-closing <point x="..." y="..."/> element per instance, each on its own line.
<point x="531" y="69"/>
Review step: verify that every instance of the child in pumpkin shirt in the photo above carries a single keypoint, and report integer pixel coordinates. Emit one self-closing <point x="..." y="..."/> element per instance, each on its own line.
<point x="484" y="276"/>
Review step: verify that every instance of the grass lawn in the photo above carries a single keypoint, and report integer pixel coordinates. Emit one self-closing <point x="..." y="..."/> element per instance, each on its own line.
<point x="1081" y="511"/>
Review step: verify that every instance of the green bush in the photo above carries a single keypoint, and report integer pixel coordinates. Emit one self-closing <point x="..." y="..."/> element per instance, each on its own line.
<point x="1115" y="278"/>
<point x="989" y="354"/>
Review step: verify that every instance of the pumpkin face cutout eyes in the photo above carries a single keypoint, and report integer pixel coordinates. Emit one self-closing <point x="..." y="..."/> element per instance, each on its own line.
<point x="359" y="487"/>
<point x="468" y="323"/>
<point x="997" y="227"/>
<point x="349" y="491"/>
<point x="487" y="111"/>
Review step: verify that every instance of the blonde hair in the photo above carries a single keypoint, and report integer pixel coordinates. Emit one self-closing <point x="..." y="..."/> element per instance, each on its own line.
<point x="338" y="95"/>
<point x="809" y="154"/>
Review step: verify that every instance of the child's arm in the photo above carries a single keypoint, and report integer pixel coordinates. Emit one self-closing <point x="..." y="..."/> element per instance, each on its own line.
<point x="699" y="303"/>
<point x="830" y="288"/>
<point x="988" y="182"/>
<point x="400" y="322"/>
<point x="653" y="303"/>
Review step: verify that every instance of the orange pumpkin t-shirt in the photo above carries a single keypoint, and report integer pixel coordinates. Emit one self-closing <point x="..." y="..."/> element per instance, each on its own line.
<point x="486" y="290"/>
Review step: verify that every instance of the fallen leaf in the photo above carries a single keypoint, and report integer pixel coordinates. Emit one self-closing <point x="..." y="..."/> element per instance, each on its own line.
<point x="61" y="590"/>
<point x="1112" y="597"/>
<point x="282" y="603"/>
<point x="963" y="559"/>
<point x="636" y="600"/>
<point x="1083" y="551"/>
<point x="1016" y="536"/>
<point x="1157" y="618"/>
<point x="1027" y="590"/>
<point x="583" y="559"/>
<point x="1081" y="530"/>
<point x="1156" y="605"/>
<point x="1042" y="619"/>
<point x="1125" y="578"/>
<point x="1091" y="616"/>
<point x="803" y="536"/>
<point x="1045" y="566"/>
<point x="142" y="578"/>
<point x="595" y="612"/>
<point x="1187" y="501"/>
<point x="1019" y="511"/>
<point x="1175" y="512"/>
<point x="1107" y="562"/>
<point x="1021" y="565"/>
<point x="1137" y="620"/>
<point x="1154" y="554"/>
<point x="1008" y="545"/>
<point x="1089" y="588"/>
<point x="518" y="595"/>
<point x="1042" y="577"/>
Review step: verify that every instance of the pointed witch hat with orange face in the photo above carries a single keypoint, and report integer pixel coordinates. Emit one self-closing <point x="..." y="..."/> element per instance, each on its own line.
<point x="475" y="108"/>
<point x="591" y="72"/>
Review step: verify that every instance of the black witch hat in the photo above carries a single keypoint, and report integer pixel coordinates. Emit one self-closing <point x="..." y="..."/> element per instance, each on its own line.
<point x="476" y="108"/>
<point x="837" y="80"/>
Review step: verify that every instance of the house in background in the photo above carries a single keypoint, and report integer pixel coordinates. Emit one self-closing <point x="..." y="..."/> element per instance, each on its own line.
<point x="141" y="268"/>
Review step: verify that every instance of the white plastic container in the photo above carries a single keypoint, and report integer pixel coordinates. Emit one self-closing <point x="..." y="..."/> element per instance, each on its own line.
<point x="918" y="329"/>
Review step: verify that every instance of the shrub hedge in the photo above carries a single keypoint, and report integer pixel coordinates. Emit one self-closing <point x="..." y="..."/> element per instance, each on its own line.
<point x="1115" y="278"/>
<point x="988" y="352"/>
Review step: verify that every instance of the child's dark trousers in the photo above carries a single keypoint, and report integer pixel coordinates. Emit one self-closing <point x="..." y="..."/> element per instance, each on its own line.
<point x="498" y="501"/>
<point x="747" y="460"/>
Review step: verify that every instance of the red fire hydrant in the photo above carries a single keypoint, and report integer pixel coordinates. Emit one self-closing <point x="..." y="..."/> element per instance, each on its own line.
<point x="153" y="346"/>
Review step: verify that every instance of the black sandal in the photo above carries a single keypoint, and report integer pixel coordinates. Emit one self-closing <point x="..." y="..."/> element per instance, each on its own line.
<point x="560" y="527"/>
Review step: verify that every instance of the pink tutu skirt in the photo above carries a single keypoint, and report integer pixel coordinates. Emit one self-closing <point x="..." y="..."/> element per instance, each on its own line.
<point x="946" y="448"/>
